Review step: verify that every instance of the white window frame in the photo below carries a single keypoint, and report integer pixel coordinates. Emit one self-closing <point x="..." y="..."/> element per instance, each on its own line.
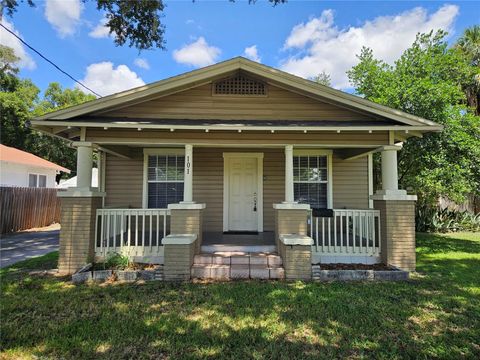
<point x="321" y="152"/>
<point x="146" y="154"/>
<point x="37" y="176"/>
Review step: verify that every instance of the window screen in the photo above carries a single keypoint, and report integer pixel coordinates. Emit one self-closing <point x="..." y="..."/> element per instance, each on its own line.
<point x="32" y="180"/>
<point x="165" y="180"/>
<point x="310" y="179"/>
<point x="42" y="181"/>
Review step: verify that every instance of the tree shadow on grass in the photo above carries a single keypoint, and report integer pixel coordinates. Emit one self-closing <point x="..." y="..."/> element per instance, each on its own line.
<point x="438" y="243"/>
<point x="242" y="320"/>
<point x="435" y="315"/>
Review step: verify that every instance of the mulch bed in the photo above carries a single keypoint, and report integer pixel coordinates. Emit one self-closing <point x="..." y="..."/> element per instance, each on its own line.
<point x="378" y="267"/>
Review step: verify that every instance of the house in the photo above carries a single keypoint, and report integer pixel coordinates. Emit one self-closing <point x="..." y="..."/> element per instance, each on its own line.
<point x="236" y="156"/>
<point x="72" y="182"/>
<point x="22" y="169"/>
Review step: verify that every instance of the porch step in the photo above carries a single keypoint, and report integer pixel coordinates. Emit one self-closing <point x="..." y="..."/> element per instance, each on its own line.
<point x="238" y="265"/>
<point x="238" y="248"/>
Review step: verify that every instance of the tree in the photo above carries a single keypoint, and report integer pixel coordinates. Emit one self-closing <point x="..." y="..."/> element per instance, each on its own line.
<point x="469" y="46"/>
<point x="19" y="102"/>
<point x="136" y="22"/>
<point x="323" y="78"/>
<point x="50" y="148"/>
<point x="427" y="81"/>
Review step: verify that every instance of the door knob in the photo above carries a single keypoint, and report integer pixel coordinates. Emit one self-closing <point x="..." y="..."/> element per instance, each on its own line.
<point x="254" y="201"/>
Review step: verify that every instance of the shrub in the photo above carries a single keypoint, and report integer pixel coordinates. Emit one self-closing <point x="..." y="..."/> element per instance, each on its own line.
<point x="117" y="261"/>
<point x="438" y="220"/>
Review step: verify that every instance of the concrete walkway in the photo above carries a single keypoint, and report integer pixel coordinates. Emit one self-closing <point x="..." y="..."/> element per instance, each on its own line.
<point x="27" y="244"/>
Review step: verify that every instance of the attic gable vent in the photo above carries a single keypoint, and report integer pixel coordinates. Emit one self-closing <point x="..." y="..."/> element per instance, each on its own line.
<point x="239" y="85"/>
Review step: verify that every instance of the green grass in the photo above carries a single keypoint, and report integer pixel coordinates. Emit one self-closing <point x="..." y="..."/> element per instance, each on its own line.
<point x="435" y="315"/>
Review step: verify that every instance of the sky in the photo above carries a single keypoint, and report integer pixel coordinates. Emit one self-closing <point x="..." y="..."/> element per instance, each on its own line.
<point x="304" y="38"/>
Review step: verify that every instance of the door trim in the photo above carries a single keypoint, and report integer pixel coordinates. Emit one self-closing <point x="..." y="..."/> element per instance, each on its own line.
<point x="226" y="181"/>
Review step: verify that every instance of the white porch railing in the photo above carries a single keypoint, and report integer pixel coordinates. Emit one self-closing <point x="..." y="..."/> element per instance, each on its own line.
<point x="131" y="232"/>
<point x="348" y="232"/>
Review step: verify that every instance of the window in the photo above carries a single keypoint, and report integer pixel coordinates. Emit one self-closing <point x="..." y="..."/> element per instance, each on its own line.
<point x="310" y="180"/>
<point x="165" y="178"/>
<point x="32" y="180"/>
<point x="42" y="181"/>
<point x="36" y="180"/>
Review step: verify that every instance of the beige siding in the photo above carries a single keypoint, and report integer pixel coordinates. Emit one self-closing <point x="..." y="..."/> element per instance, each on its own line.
<point x="198" y="103"/>
<point x="124" y="182"/>
<point x="258" y="138"/>
<point x="350" y="183"/>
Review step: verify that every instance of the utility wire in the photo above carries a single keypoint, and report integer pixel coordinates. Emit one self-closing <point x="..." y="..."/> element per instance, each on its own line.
<point x="51" y="62"/>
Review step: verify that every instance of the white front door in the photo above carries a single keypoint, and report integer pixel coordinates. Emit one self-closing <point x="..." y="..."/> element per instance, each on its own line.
<point x="243" y="193"/>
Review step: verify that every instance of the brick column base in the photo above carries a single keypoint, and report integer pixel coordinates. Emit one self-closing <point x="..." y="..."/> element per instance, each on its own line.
<point x="397" y="221"/>
<point x="178" y="254"/>
<point x="187" y="219"/>
<point x="77" y="234"/>
<point x="290" y="237"/>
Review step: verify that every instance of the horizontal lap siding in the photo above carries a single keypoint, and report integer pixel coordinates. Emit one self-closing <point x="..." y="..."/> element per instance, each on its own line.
<point x="124" y="180"/>
<point x="350" y="183"/>
<point x="345" y="138"/>
<point x="198" y="103"/>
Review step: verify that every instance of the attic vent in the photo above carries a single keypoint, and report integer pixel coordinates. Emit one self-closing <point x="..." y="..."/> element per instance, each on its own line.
<point x="239" y="85"/>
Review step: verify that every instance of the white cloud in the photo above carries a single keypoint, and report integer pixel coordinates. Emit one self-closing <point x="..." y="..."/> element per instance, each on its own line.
<point x="9" y="40"/>
<point x="322" y="46"/>
<point x="105" y="79"/>
<point x="142" y="63"/>
<point x="100" y="31"/>
<point x="251" y="52"/>
<point x="197" y="53"/>
<point x="64" y="15"/>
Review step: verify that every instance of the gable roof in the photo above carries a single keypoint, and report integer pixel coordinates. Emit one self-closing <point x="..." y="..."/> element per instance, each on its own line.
<point x="226" y="68"/>
<point x="16" y="156"/>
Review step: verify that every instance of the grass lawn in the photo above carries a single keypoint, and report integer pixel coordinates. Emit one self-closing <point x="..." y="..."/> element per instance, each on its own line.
<point x="435" y="315"/>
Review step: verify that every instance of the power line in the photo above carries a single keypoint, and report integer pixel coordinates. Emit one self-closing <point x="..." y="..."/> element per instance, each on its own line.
<point x="51" y="62"/>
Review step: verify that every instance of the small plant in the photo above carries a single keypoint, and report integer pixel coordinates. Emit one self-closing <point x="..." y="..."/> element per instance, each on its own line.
<point x="117" y="261"/>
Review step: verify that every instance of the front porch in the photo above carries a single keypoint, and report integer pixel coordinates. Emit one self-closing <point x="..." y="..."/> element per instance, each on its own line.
<point x="347" y="236"/>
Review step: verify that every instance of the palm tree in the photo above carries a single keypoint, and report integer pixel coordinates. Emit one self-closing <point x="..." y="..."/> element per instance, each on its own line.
<point x="469" y="46"/>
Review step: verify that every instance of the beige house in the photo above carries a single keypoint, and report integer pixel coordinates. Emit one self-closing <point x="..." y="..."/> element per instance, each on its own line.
<point x="236" y="156"/>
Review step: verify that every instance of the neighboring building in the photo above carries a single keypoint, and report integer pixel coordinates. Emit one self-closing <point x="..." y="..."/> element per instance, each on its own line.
<point x="236" y="156"/>
<point x="22" y="169"/>
<point x="72" y="182"/>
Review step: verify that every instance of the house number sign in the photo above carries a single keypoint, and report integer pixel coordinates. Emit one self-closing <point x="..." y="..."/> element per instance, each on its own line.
<point x="187" y="167"/>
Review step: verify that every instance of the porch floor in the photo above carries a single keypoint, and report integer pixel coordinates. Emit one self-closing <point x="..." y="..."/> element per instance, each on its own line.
<point x="217" y="238"/>
<point x="219" y="242"/>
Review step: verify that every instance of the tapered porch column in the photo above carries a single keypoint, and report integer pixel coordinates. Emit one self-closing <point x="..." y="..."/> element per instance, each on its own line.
<point x="289" y="198"/>
<point x="84" y="165"/>
<point x="389" y="170"/>
<point x="397" y="216"/>
<point x="188" y="182"/>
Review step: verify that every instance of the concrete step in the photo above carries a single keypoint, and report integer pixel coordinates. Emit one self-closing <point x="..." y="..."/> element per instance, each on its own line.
<point x="238" y="258"/>
<point x="237" y="271"/>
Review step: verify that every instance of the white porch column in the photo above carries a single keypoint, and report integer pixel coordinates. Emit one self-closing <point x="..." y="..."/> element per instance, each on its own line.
<point x="389" y="170"/>
<point x="188" y="184"/>
<point x="84" y="165"/>
<point x="289" y="174"/>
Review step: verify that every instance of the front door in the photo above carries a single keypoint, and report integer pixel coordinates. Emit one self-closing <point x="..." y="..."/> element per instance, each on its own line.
<point x="243" y="193"/>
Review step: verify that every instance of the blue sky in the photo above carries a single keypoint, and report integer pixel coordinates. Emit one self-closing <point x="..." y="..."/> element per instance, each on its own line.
<point x="301" y="37"/>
